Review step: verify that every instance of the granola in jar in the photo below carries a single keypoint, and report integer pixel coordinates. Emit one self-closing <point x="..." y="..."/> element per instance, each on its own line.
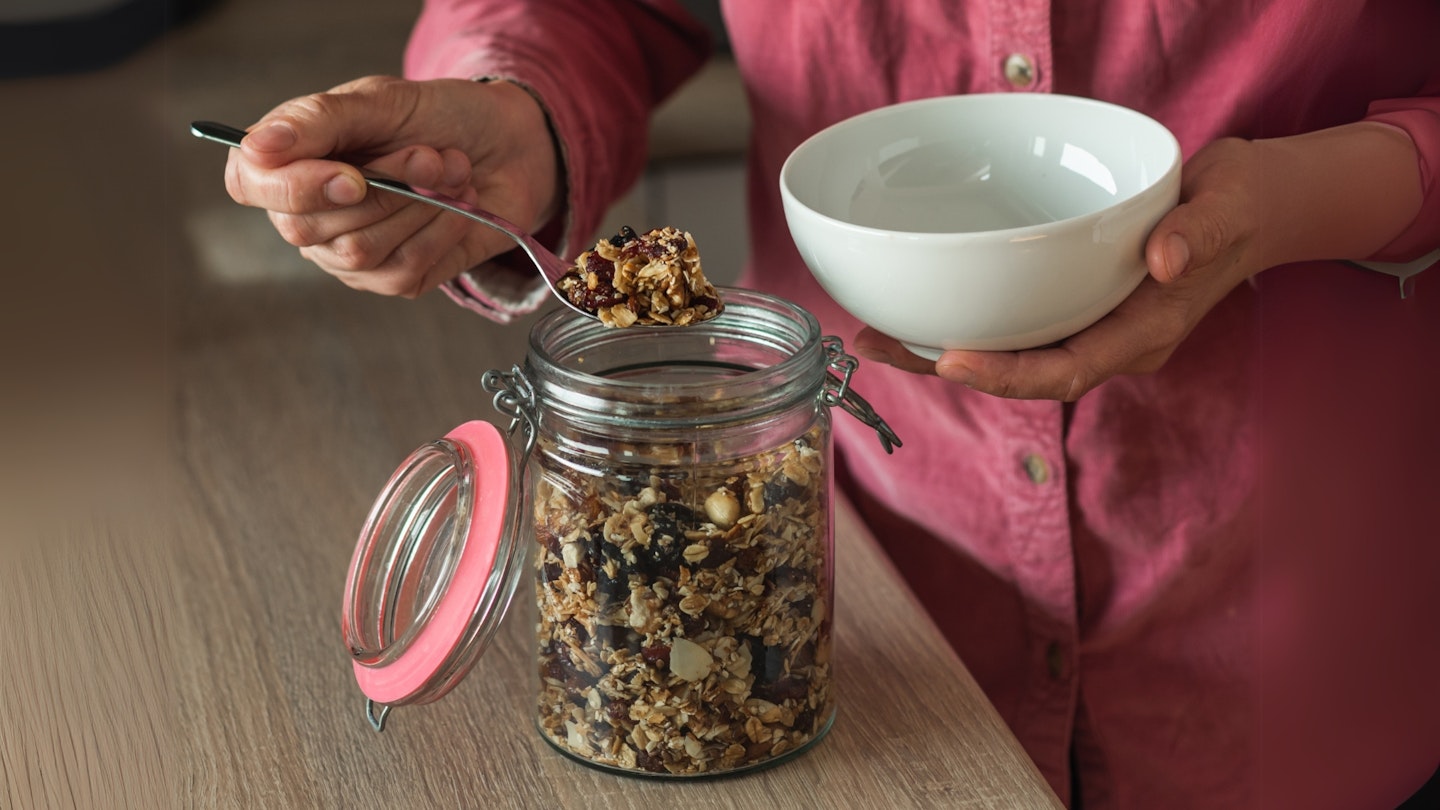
<point x="650" y="279"/>
<point x="684" y="611"/>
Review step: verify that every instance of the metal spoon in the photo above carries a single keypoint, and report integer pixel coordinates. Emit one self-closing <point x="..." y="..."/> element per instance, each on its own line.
<point x="552" y="268"/>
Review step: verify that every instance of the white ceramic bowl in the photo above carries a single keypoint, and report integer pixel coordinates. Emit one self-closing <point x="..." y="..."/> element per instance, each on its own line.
<point x="996" y="221"/>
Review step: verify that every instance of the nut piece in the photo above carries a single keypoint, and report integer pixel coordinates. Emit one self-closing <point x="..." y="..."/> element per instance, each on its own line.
<point x="722" y="508"/>
<point x="688" y="660"/>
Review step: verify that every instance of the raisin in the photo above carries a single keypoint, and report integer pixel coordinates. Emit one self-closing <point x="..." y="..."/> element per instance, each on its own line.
<point x="612" y="589"/>
<point x="670" y="519"/>
<point x="693" y="625"/>
<point x="650" y="763"/>
<point x="617" y="712"/>
<point x="781" y="489"/>
<point x="719" y="554"/>
<point x="805" y="721"/>
<point x="617" y="637"/>
<point x="785" y="576"/>
<point x="668" y="522"/>
<point x="778" y="691"/>
<point x="581" y="635"/>
<point x="747" y="559"/>
<point x="626" y="234"/>
<point x="805" y="657"/>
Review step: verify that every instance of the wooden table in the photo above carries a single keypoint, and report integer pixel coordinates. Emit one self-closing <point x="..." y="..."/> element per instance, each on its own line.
<point x="220" y="648"/>
<point x="194" y="425"/>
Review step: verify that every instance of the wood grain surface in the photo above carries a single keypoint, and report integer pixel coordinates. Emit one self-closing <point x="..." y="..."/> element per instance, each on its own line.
<point x="195" y="423"/>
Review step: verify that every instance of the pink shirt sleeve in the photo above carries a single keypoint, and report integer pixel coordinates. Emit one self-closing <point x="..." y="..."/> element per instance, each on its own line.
<point x="597" y="68"/>
<point x="1420" y="117"/>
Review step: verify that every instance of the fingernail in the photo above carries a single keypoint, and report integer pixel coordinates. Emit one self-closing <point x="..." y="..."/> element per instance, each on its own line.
<point x="276" y="137"/>
<point x="342" y="189"/>
<point x="1177" y="255"/>
<point x="955" y="372"/>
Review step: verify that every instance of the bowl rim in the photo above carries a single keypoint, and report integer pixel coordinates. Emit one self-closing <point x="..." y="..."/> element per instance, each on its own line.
<point x="1163" y="181"/>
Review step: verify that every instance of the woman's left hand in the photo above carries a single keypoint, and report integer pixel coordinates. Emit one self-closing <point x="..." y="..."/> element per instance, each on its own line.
<point x="1341" y="193"/>
<point x="1196" y="255"/>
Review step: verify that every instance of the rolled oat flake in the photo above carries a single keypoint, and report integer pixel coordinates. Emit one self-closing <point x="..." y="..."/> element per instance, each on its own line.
<point x="669" y="502"/>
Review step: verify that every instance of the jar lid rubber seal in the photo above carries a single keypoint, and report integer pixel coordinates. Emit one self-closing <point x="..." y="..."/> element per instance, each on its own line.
<point x="429" y="568"/>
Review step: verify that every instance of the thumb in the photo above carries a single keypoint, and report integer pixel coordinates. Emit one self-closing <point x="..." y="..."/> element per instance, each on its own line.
<point x="1192" y="235"/>
<point x="357" y="119"/>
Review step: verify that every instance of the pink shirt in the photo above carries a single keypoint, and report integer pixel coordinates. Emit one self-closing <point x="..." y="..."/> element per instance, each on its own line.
<point x="1212" y="586"/>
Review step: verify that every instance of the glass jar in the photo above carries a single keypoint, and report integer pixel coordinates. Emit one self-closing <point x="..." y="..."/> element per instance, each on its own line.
<point x="677" y="522"/>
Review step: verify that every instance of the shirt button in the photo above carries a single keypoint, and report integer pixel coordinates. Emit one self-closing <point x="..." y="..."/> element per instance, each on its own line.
<point x="1036" y="469"/>
<point x="1055" y="660"/>
<point x="1019" y="71"/>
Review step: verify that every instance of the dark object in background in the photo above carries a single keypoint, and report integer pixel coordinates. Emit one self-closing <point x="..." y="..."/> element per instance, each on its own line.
<point x="77" y="42"/>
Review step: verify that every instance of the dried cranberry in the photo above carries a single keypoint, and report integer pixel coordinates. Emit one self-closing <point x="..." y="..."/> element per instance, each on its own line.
<point x="656" y="655"/>
<point x="555" y="662"/>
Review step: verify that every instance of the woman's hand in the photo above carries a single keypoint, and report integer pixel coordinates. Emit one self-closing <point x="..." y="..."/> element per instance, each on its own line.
<point x="485" y="143"/>
<point x="1244" y="206"/>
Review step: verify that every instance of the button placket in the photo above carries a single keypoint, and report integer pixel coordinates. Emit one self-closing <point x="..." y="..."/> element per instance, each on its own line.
<point x="1020" y="45"/>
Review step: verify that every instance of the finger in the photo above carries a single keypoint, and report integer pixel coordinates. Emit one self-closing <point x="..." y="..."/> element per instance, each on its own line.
<point x="357" y="119"/>
<point x="882" y="348"/>
<point x="302" y="187"/>
<point x="1050" y="373"/>
<point x="357" y="241"/>
<point x="419" y="262"/>
<point x="1137" y="337"/>
<point x="1193" y="234"/>
<point x="418" y="166"/>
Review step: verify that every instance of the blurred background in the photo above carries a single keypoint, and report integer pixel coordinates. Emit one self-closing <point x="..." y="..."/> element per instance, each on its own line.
<point x="144" y="319"/>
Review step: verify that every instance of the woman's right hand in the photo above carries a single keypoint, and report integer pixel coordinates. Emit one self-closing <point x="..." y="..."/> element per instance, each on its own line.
<point x="487" y="143"/>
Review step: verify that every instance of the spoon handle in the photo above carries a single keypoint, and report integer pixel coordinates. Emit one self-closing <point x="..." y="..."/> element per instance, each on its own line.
<point x="551" y="266"/>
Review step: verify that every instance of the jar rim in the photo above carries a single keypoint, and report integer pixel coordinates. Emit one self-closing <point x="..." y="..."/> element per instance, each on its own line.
<point x="563" y="343"/>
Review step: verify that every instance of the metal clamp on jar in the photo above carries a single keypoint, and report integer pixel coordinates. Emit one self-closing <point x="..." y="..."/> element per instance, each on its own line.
<point x="671" y="497"/>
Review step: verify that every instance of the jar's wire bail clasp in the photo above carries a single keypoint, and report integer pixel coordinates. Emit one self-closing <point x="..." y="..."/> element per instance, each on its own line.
<point x="837" y="391"/>
<point x="376" y="718"/>
<point x="515" y="398"/>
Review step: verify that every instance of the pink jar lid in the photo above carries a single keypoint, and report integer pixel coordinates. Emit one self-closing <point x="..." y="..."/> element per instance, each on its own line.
<point x="434" y="568"/>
